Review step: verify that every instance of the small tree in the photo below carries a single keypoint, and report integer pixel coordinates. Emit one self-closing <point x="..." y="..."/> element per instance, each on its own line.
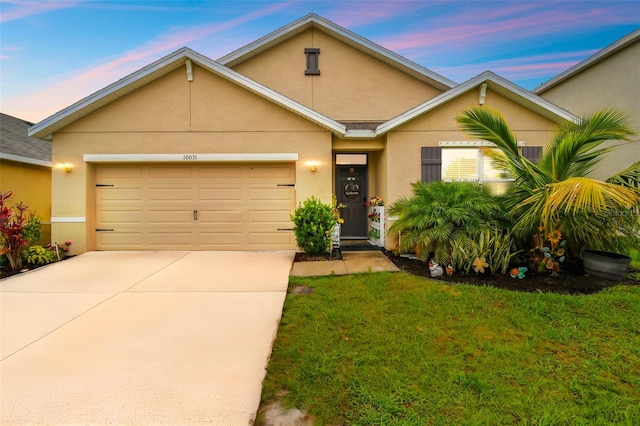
<point x="12" y="223"/>
<point x="313" y="222"/>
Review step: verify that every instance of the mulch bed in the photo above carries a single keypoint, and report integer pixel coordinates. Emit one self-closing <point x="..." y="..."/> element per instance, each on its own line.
<point x="575" y="282"/>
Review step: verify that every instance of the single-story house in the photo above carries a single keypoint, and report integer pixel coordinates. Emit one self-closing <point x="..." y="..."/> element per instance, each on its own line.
<point x="190" y="153"/>
<point x="25" y="169"/>
<point x="610" y="78"/>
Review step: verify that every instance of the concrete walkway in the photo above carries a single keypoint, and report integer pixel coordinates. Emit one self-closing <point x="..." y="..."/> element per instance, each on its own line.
<point x="352" y="262"/>
<point x="140" y="338"/>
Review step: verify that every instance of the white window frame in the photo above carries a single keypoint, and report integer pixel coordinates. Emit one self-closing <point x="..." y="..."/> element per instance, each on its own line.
<point x="480" y="159"/>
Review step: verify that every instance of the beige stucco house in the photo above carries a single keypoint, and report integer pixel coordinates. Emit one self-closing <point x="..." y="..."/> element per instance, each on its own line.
<point x="609" y="78"/>
<point x="189" y="153"/>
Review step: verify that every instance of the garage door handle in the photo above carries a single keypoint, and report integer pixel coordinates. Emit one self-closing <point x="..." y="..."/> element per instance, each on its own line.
<point x="286" y="184"/>
<point x="195" y="215"/>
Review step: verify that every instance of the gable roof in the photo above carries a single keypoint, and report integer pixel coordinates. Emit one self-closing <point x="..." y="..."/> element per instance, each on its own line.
<point x="592" y="60"/>
<point x="497" y="84"/>
<point x="15" y="145"/>
<point x="352" y="39"/>
<point x="161" y="67"/>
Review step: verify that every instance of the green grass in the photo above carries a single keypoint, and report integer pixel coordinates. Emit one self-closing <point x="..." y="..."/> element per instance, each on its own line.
<point x="394" y="349"/>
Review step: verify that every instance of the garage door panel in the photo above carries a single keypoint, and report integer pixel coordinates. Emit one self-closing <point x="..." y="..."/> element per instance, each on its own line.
<point x="224" y="173"/>
<point x="110" y="239"/>
<point x="107" y="217"/>
<point x="120" y="172"/>
<point x="170" y="194"/>
<point x="239" y="207"/>
<point x="221" y="194"/>
<point x="274" y="172"/>
<point x="282" y="239"/>
<point x="124" y="194"/>
<point x="168" y="217"/>
<point x="220" y="217"/>
<point x="169" y="172"/>
<point x="266" y="216"/>
<point x="262" y="193"/>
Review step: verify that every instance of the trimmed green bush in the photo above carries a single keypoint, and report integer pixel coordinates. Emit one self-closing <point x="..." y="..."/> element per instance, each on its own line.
<point x="313" y="222"/>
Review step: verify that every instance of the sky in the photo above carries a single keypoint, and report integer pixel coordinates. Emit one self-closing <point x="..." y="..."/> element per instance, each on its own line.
<point x="54" y="53"/>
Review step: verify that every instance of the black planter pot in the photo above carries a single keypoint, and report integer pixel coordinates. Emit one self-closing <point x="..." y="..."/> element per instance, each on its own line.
<point x="602" y="264"/>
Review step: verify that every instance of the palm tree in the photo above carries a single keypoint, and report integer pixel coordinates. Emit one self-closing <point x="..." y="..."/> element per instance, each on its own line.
<point x="559" y="193"/>
<point x="441" y="215"/>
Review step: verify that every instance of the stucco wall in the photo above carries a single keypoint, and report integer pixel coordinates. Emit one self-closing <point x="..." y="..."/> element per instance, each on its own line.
<point x="403" y="160"/>
<point x="172" y="115"/>
<point x="30" y="184"/>
<point x="611" y="83"/>
<point x="351" y="86"/>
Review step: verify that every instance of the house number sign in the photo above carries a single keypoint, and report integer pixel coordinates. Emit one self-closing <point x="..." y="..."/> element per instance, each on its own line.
<point x="351" y="190"/>
<point x="190" y="157"/>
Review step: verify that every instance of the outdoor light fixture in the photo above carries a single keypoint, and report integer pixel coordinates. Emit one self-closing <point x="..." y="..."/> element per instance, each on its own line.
<point x="67" y="167"/>
<point x="313" y="165"/>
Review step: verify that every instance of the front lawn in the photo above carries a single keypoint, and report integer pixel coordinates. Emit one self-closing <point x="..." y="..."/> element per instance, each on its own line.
<point x="380" y="349"/>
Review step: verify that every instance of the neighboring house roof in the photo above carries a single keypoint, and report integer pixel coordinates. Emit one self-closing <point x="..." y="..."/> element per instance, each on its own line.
<point x="15" y="145"/>
<point x="497" y="84"/>
<point x="590" y="61"/>
<point x="354" y="40"/>
<point x="164" y="66"/>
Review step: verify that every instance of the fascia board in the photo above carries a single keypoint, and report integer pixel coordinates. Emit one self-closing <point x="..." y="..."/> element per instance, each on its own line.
<point x="26" y="160"/>
<point x="470" y="84"/>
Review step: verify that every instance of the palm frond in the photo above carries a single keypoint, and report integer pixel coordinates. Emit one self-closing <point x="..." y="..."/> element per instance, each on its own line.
<point x="629" y="177"/>
<point x="588" y="195"/>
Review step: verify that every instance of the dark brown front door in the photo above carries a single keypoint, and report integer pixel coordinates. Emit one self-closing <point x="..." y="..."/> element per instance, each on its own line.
<point x="351" y="190"/>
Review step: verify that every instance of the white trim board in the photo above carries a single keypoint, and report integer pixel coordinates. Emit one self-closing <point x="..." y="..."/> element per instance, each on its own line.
<point x="77" y="219"/>
<point x="188" y="157"/>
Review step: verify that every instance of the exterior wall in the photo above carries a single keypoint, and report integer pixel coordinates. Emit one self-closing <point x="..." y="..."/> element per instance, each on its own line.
<point x="611" y="83"/>
<point x="30" y="184"/>
<point x="351" y="86"/>
<point x="402" y="157"/>
<point x="171" y="115"/>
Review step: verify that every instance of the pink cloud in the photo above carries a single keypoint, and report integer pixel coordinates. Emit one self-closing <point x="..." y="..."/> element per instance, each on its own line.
<point x="17" y="9"/>
<point x="75" y="86"/>
<point x="474" y="29"/>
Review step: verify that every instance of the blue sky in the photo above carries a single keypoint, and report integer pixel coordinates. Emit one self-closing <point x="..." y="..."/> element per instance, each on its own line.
<point x="55" y="52"/>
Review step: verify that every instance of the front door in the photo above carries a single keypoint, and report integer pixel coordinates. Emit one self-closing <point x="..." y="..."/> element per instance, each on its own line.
<point x="351" y="190"/>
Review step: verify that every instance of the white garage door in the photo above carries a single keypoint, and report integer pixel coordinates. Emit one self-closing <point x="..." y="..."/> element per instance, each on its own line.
<point x="195" y="207"/>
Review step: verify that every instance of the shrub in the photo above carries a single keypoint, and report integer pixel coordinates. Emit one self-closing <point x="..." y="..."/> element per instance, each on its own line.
<point x="12" y="222"/>
<point x="313" y="222"/>
<point x="38" y="255"/>
<point x="441" y="213"/>
<point x="32" y="230"/>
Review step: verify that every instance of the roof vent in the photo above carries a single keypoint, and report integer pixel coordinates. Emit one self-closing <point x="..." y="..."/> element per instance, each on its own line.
<point x="312" y="61"/>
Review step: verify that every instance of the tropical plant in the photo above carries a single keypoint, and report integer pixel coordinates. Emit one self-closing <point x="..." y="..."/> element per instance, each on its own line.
<point x="560" y="192"/>
<point x="12" y="222"/>
<point x="492" y="243"/>
<point x="441" y="214"/>
<point x="313" y="222"/>
<point x="38" y="255"/>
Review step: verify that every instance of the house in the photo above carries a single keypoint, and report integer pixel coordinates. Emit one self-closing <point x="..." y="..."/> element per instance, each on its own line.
<point x="607" y="79"/>
<point x="25" y="169"/>
<point x="190" y="153"/>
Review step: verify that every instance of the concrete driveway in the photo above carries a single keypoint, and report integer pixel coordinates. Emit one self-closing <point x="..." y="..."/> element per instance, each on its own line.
<point x="140" y="338"/>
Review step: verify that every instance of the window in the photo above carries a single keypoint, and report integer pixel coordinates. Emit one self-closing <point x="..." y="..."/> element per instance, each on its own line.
<point x="468" y="161"/>
<point x="474" y="165"/>
<point x="312" y="61"/>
